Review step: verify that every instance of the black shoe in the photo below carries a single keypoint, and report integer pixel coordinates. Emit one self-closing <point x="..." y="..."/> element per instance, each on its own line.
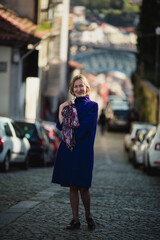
<point x="91" y="223"/>
<point x="73" y="225"/>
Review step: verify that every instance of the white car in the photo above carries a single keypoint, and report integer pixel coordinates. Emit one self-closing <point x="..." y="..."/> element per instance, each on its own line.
<point x="14" y="147"/>
<point x="143" y="140"/>
<point x="152" y="154"/>
<point x="129" y="139"/>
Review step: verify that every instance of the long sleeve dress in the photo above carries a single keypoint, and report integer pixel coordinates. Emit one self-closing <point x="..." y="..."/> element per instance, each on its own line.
<point x="75" y="167"/>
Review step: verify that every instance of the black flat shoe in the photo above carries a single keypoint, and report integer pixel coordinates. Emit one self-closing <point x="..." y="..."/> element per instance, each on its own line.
<point x="73" y="225"/>
<point x="91" y="223"/>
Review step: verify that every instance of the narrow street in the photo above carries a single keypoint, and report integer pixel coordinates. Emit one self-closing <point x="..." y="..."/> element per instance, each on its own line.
<point x="124" y="201"/>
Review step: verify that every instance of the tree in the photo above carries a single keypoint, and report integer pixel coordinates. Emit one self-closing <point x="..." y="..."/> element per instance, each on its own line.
<point x="149" y="20"/>
<point x="123" y="5"/>
<point x="117" y="4"/>
<point x="116" y="12"/>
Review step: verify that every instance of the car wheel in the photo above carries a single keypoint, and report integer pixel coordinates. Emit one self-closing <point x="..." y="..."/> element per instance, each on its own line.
<point x="129" y="156"/>
<point x="6" y="163"/>
<point x="51" y="158"/>
<point x="144" y="166"/>
<point x="149" y="169"/>
<point x="134" y="160"/>
<point x="25" y="164"/>
<point x="108" y="127"/>
<point x="125" y="148"/>
<point x="44" y="159"/>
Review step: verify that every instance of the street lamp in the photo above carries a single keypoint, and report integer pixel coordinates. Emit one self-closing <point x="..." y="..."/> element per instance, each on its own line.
<point x="157" y="72"/>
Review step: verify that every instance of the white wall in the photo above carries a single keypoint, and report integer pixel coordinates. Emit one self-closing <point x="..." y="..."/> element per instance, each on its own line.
<point x="32" y="96"/>
<point x="5" y="56"/>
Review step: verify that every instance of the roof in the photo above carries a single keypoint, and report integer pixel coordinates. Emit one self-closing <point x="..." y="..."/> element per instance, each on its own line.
<point x="128" y="29"/>
<point x="91" y="78"/>
<point x="74" y="64"/>
<point x="15" y="28"/>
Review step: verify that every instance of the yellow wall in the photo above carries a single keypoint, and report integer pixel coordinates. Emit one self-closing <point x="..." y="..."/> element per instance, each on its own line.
<point x="146" y="100"/>
<point x="151" y="97"/>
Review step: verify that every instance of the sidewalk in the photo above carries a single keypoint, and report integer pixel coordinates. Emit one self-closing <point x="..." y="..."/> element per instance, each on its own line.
<point x="22" y="207"/>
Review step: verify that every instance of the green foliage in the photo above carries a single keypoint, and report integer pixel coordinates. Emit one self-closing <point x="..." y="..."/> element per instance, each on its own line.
<point x="44" y="26"/>
<point x="116" y="12"/>
<point x="144" y="106"/>
<point x="120" y="18"/>
<point x="117" y="4"/>
<point x="122" y="5"/>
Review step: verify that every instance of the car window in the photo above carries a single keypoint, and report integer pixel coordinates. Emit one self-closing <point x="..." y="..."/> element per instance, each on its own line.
<point x="43" y="132"/>
<point x="8" y="130"/>
<point x="122" y="113"/>
<point x="28" y="129"/>
<point x="18" y="131"/>
<point x="1" y="131"/>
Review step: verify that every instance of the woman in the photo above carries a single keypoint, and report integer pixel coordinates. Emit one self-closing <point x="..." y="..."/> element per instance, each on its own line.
<point x="73" y="169"/>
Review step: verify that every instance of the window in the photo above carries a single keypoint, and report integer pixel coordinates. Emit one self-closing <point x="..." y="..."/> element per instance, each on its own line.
<point x="7" y="130"/>
<point x="3" y="67"/>
<point x="43" y="133"/>
<point x="18" y="131"/>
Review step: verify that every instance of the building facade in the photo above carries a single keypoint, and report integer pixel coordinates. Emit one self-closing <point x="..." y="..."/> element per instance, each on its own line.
<point x="41" y="63"/>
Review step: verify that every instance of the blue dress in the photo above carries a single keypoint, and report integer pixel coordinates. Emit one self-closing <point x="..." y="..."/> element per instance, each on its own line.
<point x="75" y="167"/>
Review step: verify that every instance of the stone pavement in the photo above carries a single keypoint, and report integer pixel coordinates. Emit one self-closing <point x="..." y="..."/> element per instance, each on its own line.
<point x="124" y="201"/>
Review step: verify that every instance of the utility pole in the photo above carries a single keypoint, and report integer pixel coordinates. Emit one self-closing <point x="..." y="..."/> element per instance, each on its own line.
<point x="157" y="76"/>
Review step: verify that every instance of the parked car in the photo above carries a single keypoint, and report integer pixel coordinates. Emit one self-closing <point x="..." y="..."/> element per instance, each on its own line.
<point x="130" y="138"/>
<point x="143" y="139"/>
<point x="114" y="98"/>
<point x="152" y="153"/>
<point x="144" y="128"/>
<point x="53" y="133"/>
<point x="14" y="147"/>
<point x="118" y="115"/>
<point x="42" y="150"/>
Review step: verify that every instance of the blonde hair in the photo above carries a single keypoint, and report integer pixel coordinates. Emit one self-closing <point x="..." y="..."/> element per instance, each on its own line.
<point x="83" y="79"/>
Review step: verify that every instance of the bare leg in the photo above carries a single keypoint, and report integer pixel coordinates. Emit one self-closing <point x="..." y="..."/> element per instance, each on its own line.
<point x="74" y="200"/>
<point x="85" y="195"/>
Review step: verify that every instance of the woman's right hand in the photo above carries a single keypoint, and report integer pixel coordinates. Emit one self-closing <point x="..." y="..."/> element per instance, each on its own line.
<point x="67" y="103"/>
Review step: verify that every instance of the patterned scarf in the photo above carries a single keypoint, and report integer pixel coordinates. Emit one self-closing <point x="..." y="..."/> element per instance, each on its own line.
<point x="70" y="121"/>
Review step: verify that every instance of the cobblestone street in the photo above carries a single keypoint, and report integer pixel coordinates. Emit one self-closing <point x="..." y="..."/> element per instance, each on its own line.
<point x="125" y="202"/>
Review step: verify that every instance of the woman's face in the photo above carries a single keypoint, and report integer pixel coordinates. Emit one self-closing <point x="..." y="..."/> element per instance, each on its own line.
<point x="79" y="88"/>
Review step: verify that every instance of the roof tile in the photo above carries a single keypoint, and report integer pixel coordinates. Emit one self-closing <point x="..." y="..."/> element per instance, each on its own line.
<point x="15" y="28"/>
